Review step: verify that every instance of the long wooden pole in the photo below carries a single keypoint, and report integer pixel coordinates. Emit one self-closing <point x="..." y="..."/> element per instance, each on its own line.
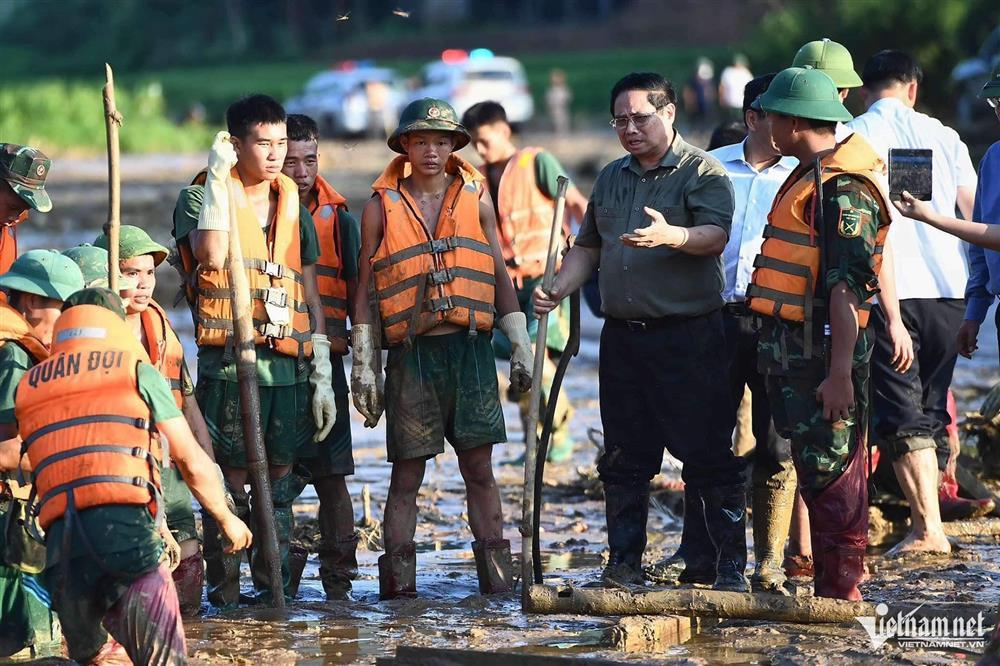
<point x="112" y="121"/>
<point x="253" y="440"/>
<point x="531" y="436"/>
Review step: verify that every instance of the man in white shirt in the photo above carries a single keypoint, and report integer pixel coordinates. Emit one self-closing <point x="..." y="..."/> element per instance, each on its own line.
<point x="732" y="82"/>
<point x="930" y="270"/>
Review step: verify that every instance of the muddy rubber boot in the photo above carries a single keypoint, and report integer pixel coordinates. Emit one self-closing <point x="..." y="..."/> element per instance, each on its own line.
<point x="838" y="526"/>
<point x="954" y="507"/>
<point x="494" y="566"/>
<point x="283" y="493"/>
<point x="397" y="573"/>
<point x="189" y="579"/>
<point x="297" y="558"/>
<point x="726" y="518"/>
<point x="773" y="501"/>
<point x="338" y="566"/>
<point x="626" y="511"/>
<point x="700" y="555"/>
<point x="222" y="570"/>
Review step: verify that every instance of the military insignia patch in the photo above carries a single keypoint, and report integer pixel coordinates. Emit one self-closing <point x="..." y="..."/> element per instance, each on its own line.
<point x="850" y="223"/>
<point x="433" y="112"/>
<point x="40" y="170"/>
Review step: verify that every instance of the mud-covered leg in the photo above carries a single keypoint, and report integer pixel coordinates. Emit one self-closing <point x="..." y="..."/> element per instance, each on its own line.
<point x="397" y="568"/>
<point x="338" y="540"/>
<point x="492" y="552"/>
<point x="284" y="491"/>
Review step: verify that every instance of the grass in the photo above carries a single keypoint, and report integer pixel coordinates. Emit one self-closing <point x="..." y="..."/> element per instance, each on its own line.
<point x="64" y="114"/>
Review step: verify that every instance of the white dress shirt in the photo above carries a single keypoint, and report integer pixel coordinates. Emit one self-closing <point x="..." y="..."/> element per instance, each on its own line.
<point x="929" y="263"/>
<point x="754" y="193"/>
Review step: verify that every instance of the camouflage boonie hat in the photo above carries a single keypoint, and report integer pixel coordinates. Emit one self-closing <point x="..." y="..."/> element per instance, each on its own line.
<point x="25" y="170"/>
<point x="134" y="242"/>
<point x="105" y="298"/>
<point x="429" y="115"/>
<point x="831" y="58"/>
<point x="43" y="273"/>
<point x="93" y="263"/>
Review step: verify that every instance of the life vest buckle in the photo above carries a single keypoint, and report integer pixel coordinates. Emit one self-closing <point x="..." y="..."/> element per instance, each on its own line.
<point x="142" y="424"/>
<point x="270" y="330"/>
<point x="443" y="276"/>
<point x="439" y="245"/>
<point x="273" y="269"/>
<point x="441" y="304"/>
<point x="139" y="482"/>
<point x="276" y="296"/>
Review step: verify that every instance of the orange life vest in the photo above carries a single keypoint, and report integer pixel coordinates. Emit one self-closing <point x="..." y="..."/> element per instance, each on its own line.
<point x="424" y="279"/>
<point x="786" y="276"/>
<point x="83" y="422"/>
<point x="274" y="269"/>
<point x="329" y="267"/>
<point x="525" y="219"/>
<point x="8" y="242"/>
<point x="165" y="350"/>
<point x="14" y="328"/>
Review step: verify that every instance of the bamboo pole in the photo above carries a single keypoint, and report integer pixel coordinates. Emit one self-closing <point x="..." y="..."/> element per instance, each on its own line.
<point x="112" y="121"/>
<point x="246" y="373"/>
<point x="531" y="436"/>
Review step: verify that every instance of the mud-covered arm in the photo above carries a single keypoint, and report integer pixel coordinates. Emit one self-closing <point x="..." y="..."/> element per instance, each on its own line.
<point x="371" y="238"/>
<point x="505" y="298"/>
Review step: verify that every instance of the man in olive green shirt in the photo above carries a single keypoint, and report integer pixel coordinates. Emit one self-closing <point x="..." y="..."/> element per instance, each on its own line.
<point x="657" y="224"/>
<point x="290" y="413"/>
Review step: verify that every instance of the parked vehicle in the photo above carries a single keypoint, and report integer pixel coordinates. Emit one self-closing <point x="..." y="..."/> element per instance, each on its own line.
<point x="355" y="98"/>
<point x="463" y="79"/>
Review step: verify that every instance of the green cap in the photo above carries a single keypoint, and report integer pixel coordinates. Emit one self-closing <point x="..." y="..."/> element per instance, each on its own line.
<point x="43" y="273"/>
<point x="25" y="170"/>
<point x="97" y="296"/>
<point x="134" y="242"/>
<point x="832" y="59"/>
<point x="992" y="87"/>
<point x="804" y="92"/>
<point x="93" y="263"/>
<point x="429" y="114"/>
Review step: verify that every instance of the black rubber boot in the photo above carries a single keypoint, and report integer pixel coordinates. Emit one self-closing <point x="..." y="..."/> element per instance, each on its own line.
<point x="283" y="493"/>
<point x="338" y="565"/>
<point x="697" y="549"/>
<point x="222" y="570"/>
<point x="494" y="566"/>
<point x="626" y="508"/>
<point x="726" y="518"/>
<point x="397" y="572"/>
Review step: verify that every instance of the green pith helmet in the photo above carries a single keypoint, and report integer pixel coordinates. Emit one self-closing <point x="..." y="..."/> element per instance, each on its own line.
<point x="429" y="114"/>
<point x="97" y="296"/>
<point x="134" y="242"/>
<point x="43" y="273"/>
<point x="832" y="59"/>
<point x="25" y="170"/>
<point x="93" y="263"/>
<point x="992" y="87"/>
<point x="804" y="92"/>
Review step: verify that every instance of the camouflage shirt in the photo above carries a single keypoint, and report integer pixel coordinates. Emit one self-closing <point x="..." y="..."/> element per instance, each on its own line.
<point x="851" y="216"/>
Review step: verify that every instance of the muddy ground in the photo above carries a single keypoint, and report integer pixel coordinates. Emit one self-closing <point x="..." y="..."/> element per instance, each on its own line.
<point x="450" y="613"/>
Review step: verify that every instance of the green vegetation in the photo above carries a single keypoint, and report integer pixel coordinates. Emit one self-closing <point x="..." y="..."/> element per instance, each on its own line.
<point x="60" y="114"/>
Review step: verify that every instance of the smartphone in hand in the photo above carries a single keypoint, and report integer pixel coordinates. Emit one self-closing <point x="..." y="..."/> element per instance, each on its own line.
<point x="910" y="170"/>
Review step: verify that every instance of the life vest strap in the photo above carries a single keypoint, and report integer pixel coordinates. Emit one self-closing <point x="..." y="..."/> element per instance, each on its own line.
<point x="137" y="481"/>
<point x="273" y="269"/>
<point x="788" y="236"/>
<point x="140" y="423"/>
<point x="333" y="302"/>
<point x="437" y="278"/>
<point x="327" y="271"/>
<point x="131" y="451"/>
<point x="276" y="296"/>
<point x="435" y="246"/>
<point x="263" y="328"/>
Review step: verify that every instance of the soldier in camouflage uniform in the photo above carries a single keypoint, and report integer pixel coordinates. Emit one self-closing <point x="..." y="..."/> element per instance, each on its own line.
<point x="814" y="278"/>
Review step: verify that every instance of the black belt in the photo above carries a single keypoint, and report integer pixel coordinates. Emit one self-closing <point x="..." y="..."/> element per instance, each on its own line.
<point x="652" y="323"/>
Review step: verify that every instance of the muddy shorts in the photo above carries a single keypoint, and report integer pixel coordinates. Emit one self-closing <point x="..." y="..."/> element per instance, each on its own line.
<point x="333" y="456"/>
<point x="285" y="419"/>
<point x="443" y="387"/>
<point x="178" y="502"/>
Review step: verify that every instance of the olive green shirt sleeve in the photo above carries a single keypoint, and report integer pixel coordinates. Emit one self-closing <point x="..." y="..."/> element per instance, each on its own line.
<point x="155" y="392"/>
<point x="14" y="363"/>
<point x="851" y="218"/>
<point x="350" y="243"/>
<point x="547" y="172"/>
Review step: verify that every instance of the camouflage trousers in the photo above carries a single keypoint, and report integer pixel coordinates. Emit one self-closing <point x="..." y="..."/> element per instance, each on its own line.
<point x="821" y="449"/>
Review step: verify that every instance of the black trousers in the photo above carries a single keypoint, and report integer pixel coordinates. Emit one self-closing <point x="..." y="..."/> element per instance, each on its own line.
<point x="912" y="407"/>
<point x="667" y="386"/>
<point x="773" y="453"/>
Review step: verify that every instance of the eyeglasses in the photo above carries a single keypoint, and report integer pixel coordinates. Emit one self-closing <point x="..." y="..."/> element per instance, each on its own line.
<point x="640" y="120"/>
<point x="994" y="102"/>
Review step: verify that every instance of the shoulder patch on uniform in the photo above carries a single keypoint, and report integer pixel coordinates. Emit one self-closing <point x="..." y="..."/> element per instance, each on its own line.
<point x="851" y="221"/>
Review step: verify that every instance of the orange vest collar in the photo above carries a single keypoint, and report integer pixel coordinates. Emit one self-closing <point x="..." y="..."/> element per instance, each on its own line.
<point x="400" y="168"/>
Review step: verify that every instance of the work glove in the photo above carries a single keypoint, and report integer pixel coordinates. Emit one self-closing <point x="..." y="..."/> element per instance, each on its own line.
<point x="214" y="215"/>
<point x="171" y="556"/>
<point x="366" y="379"/>
<point x="522" y="360"/>
<point x="991" y="405"/>
<point x="321" y="378"/>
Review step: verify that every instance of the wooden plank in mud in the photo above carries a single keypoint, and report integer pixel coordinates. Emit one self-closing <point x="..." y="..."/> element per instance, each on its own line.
<point x="423" y="656"/>
<point x="648" y="633"/>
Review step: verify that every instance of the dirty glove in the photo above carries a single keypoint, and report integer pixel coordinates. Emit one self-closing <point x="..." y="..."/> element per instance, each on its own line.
<point x="321" y="378"/>
<point x="522" y="360"/>
<point x="171" y="549"/>
<point x="366" y="379"/>
<point x="991" y="405"/>
<point x="214" y="215"/>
